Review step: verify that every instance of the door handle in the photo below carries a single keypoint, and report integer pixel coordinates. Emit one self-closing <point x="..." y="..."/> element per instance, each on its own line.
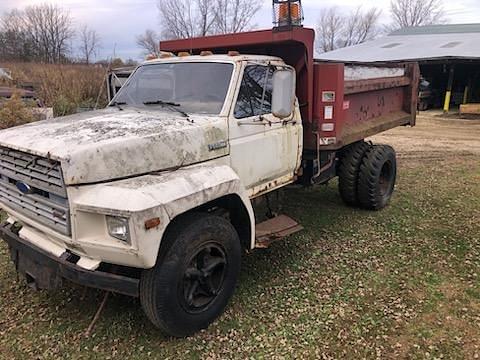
<point x="261" y="121"/>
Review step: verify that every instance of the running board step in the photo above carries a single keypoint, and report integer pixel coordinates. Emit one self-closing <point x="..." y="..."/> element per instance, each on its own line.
<point x="275" y="229"/>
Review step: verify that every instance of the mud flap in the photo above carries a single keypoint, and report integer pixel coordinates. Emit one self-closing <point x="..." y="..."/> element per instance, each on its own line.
<point x="38" y="276"/>
<point x="275" y="229"/>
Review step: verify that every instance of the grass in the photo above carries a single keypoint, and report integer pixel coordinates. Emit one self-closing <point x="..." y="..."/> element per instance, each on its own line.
<point x="14" y="112"/>
<point x="402" y="282"/>
<point x="65" y="88"/>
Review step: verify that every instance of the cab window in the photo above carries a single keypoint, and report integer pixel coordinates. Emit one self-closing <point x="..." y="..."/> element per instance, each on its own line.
<point x="255" y="96"/>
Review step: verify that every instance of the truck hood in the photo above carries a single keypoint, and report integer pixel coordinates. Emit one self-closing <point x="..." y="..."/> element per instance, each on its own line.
<point x="111" y="144"/>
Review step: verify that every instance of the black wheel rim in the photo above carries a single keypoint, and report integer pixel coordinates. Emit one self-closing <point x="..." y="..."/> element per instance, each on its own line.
<point x="386" y="179"/>
<point x="204" y="277"/>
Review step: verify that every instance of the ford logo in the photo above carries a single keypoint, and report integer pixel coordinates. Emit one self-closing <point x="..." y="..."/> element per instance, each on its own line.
<point x="24" y="188"/>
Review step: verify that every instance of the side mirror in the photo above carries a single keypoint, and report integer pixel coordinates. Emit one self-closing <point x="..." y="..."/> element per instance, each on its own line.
<point x="283" y="97"/>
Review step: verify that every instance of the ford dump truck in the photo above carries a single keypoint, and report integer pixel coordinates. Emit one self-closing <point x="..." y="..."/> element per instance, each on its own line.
<point x="157" y="195"/>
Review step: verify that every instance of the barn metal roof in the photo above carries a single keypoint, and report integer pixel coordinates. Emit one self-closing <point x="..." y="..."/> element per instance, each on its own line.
<point x="426" y="43"/>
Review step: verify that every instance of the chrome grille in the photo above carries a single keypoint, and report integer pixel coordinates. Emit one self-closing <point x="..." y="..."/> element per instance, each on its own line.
<point x="33" y="170"/>
<point x="47" y="202"/>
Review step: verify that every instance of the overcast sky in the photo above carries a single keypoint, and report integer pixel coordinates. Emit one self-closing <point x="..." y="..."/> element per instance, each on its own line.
<point x="118" y="21"/>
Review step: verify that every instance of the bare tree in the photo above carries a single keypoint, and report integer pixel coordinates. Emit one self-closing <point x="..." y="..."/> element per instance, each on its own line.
<point x="359" y="27"/>
<point x="149" y="42"/>
<point x="181" y="19"/>
<point x="50" y="28"/>
<point x="407" y="13"/>
<point x="336" y="30"/>
<point x="329" y="28"/>
<point x="41" y="33"/>
<point x="232" y="16"/>
<point x="206" y="16"/>
<point x="15" y="43"/>
<point x="89" y="43"/>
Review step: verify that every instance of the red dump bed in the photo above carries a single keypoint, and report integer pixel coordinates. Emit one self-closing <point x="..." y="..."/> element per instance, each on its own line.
<point x="340" y="103"/>
<point x="352" y="102"/>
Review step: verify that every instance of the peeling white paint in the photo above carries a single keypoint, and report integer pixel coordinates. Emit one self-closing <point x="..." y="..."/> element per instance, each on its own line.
<point x="152" y="163"/>
<point x="164" y="195"/>
<point x="112" y="144"/>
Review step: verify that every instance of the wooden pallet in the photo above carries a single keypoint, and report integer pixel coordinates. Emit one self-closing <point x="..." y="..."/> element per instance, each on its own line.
<point x="470" y="109"/>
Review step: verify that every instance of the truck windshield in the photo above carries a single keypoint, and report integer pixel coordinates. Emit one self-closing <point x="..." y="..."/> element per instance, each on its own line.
<point x="194" y="87"/>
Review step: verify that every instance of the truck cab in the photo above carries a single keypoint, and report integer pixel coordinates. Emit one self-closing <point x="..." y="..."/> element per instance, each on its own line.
<point x="238" y="90"/>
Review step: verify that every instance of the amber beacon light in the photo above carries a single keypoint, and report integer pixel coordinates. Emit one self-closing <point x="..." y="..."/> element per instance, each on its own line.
<point x="287" y="13"/>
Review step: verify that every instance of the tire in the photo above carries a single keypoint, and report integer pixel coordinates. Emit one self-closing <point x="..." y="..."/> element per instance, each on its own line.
<point x="348" y="172"/>
<point x="377" y="177"/>
<point x="422" y="106"/>
<point x="195" y="275"/>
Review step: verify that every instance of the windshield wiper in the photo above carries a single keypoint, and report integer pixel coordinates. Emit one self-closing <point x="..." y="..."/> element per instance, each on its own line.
<point x="161" y="102"/>
<point x="118" y="104"/>
<point x="169" y="104"/>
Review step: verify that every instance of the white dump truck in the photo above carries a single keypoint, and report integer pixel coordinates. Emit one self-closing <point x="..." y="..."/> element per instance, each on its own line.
<point x="156" y="196"/>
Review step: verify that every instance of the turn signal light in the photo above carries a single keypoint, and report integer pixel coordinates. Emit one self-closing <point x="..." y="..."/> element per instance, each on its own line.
<point x="152" y="223"/>
<point x="166" y="54"/>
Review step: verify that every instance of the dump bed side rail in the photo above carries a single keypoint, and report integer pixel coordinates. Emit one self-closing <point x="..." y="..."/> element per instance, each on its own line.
<point x="351" y="110"/>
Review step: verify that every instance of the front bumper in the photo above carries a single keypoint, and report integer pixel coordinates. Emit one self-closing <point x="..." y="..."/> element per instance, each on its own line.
<point x="45" y="271"/>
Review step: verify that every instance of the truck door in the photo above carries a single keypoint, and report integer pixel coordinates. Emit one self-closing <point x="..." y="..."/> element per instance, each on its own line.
<point x="265" y="151"/>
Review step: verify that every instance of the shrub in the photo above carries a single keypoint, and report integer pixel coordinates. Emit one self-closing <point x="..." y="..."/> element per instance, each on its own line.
<point x="63" y="106"/>
<point x="14" y="112"/>
<point x="63" y="87"/>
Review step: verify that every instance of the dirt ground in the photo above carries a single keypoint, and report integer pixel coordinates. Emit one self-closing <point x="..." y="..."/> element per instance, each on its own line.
<point x="434" y="137"/>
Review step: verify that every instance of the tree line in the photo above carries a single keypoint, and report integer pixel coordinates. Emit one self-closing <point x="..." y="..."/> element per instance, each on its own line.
<point x="44" y="33"/>
<point x="334" y="29"/>
<point x="182" y="19"/>
<point x="337" y="30"/>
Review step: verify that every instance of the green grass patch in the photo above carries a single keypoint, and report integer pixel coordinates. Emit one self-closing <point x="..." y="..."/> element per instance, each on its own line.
<point x="402" y="282"/>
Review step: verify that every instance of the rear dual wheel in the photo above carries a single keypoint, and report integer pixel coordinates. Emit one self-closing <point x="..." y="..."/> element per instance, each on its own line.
<point x="377" y="177"/>
<point x="367" y="175"/>
<point x="349" y="170"/>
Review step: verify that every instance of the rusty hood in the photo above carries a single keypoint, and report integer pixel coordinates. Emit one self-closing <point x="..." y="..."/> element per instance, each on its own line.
<point x="112" y="144"/>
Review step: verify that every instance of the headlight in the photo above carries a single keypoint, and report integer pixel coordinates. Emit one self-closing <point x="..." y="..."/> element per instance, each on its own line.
<point x="118" y="228"/>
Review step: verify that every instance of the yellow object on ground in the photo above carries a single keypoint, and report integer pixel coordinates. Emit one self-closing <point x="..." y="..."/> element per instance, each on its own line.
<point x="448" y="96"/>
<point x="470" y="109"/>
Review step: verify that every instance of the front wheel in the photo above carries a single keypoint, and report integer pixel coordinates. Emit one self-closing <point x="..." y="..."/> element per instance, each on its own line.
<point x="377" y="177"/>
<point x="195" y="275"/>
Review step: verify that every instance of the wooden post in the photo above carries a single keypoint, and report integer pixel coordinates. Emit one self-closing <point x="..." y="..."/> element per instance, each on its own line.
<point x="448" y="94"/>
